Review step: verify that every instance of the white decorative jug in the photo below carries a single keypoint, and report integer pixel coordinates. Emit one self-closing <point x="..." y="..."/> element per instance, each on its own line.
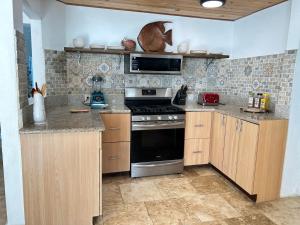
<point x="39" y="114"/>
<point x="183" y="47"/>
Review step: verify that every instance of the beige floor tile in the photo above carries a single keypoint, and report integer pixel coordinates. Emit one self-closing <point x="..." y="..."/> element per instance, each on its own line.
<point x="205" y="171"/>
<point x="126" y="214"/>
<point x="209" y="207"/>
<point x="285" y="211"/>
<point x="210" y="185"/>
<point x="175" y="188"/>
<point x="140" y="192"/>
<point x="240" y="201"/>
<point x="111" y="194"/>
<point x="257" y="219"/>
<point x="117" y="178"/>
<point x="167" y="212"/>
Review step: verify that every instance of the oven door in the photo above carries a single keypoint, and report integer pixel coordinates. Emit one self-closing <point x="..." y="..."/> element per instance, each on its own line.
<point x="158" y="141"/>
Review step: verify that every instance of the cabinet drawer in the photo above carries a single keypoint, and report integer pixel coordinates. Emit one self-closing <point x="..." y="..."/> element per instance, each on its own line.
<point x="115" y="157"/>
<point x="196" y="151"/>
<point x="198" y="125"/>
<point x="117" y="127"/>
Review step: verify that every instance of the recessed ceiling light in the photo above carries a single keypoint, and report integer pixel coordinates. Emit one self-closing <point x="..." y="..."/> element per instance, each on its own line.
<point x="212" y="3"/>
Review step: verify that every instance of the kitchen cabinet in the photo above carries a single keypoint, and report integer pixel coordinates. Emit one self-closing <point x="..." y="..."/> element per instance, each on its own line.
<point x="116" y="157"/>
<point x="218" y="140"/>
<point x="196" y="151"/>
<point x="198" y="125"/>
<point x="231" y="147"/>
<point x="116" y="142"/>
<point x="117" y="127"/>
<point x="62" y="177"/>
<point x="250" y="154"/>
<point x="197" y="138"/>
<point x="246" y="159"/>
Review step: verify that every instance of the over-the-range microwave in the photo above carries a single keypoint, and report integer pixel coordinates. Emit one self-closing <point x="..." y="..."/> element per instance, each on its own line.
<point x="153" y="63"/>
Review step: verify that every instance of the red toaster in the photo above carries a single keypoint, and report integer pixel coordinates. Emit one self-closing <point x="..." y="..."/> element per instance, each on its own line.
<point x="206" y="98"/>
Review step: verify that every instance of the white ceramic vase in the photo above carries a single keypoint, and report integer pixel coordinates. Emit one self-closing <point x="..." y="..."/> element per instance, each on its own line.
<point x="183" y="47"/>
<point x="39" y="114"/>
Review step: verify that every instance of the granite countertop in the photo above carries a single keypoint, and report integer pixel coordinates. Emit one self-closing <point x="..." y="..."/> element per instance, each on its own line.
<point x="231" y="110"/>
<point x="120" y="108"/>
<point x="60" y="119"/>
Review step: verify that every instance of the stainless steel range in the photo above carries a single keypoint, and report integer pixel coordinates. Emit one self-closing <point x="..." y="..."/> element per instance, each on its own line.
<point x="157" y="132"/>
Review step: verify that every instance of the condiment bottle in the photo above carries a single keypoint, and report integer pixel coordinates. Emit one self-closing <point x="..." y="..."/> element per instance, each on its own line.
<point x="265" y="101"/>
<point x="257" y="100"/>
<point x="251" y="99"/>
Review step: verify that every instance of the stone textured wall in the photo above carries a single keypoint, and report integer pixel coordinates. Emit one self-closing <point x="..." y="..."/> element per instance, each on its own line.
<point x="233" y="79"/>
<point x="22" y="70"/>
<point x="56" y="76"/>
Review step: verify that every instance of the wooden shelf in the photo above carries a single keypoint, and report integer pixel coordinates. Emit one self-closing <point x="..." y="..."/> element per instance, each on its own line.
<point x="123" y="52"/>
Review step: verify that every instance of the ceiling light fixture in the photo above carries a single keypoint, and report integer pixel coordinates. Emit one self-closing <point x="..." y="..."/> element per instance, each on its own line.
<point x="212" y="3"/>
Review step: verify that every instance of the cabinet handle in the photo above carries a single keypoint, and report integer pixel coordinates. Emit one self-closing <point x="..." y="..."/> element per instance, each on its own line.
<point x="113" y="157"/>
<point x="197" y="151"/>
<point x="114" y="128"/>
<point x="199" y="125"/>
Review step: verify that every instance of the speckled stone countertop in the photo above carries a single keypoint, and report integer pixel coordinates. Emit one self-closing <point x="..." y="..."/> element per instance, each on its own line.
<point x="115" y="109"/>
<point x="231" y="110"/>
<point x="60" y="119"/>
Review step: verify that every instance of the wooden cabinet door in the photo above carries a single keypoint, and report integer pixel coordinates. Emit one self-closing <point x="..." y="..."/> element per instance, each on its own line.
<point x="247" y="155"/>
<point x="217" y="142"/>
<point x="231" y="147"/>
<point x="61" y="177"/>
<point x="198" y="125"/>
<point x="196" y="151"/>
<point x="117" y="127"/>
<point x="116" y="157"/>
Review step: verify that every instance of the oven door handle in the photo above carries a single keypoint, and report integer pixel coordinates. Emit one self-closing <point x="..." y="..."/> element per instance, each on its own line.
<point x="158" y="126"/>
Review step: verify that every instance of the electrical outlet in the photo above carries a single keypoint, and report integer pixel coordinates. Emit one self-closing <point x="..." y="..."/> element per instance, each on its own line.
<point x="86" y="98"/>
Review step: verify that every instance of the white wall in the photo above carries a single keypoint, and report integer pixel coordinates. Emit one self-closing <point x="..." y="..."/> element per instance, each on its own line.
<point x="38" y="56"/>
<point x="294" y="28"/>
<point x="291" y="175"/>
<point x="262" y="33"/>
<point x="111" y="26"/>
<point x="53" y="25"/>
<point x="10" y="14"/>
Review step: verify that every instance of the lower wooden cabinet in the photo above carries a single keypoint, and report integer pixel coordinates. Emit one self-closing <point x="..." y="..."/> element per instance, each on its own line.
<point x="116" y="157"/>
<point x="250" y="154"/>
<point x="246" y="158"/>
<point x="231" y="147"/>
<point x="196" y="151"/>
<point x="217" y="141"/>
<point x="62" y="177"/>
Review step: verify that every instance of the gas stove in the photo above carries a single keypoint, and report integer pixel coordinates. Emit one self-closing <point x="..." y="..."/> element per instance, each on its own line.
<point x="157" y="132"/>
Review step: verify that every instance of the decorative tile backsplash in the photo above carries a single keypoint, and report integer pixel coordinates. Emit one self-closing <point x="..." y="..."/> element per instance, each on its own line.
<point x="22" y="70"/>
<point x="232" y="79"/>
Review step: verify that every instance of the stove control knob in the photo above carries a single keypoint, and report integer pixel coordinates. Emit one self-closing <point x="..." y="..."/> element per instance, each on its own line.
<point x="142" y="118"/>
<point x="175" y="117"/>
<point x="148" y="118"/>
<point x="170" y="117"/>
<point x="159" y="117"/>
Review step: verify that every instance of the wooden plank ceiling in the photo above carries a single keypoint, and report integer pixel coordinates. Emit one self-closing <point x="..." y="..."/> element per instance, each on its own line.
<point x="233" y="9"/>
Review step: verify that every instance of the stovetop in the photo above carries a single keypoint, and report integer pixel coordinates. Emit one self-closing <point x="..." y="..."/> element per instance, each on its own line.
<point x="155" y="109"/>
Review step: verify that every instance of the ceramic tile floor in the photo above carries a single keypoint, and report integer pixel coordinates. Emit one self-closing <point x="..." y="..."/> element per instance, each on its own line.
<point x="199" y="196"/>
